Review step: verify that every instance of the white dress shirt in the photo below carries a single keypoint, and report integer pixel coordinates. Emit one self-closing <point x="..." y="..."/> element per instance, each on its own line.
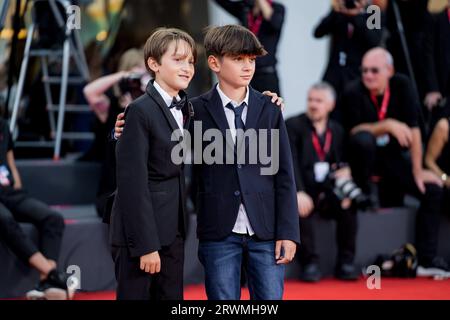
<point x="177" y="114"/>
<point x="242" y="225"/>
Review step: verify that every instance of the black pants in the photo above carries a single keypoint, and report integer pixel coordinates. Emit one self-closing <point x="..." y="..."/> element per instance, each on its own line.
<point x="135" y="284"/>
<point x="263" y="81"/>
<point x="395" y="170"/>
<point x="16" y="207"/>
<point x="346" y="228"/>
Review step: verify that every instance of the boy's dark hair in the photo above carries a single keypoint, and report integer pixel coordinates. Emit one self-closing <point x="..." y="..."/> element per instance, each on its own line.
<point x="158" y="43"/>
<point x="232" y="40"/>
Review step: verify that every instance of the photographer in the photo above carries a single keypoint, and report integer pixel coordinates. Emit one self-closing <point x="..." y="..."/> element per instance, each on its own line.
<point x="346" y="24"/>
<point x="108" y="96"/>
<point x="265" y="19"/>
<point x="381" y="117"/>
<point x="324" y="185"/>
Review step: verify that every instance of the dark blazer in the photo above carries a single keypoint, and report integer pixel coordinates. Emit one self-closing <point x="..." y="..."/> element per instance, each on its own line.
<point x="300" y="130"/>
<point x="270" y="200"/>
<point x="148" y="209"/>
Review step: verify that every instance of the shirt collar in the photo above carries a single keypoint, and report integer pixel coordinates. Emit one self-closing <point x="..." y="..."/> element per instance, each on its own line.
<point x="226" y="100"/>
<point x="166" y="97"/>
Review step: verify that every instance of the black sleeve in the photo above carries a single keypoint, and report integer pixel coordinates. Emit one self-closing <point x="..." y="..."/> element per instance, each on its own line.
<point x="10" y="142"/>
<point x="132" y="184"/>
<point x="277" y="18"/>
<point x="371" y="37"/>
<point x="295" y="140"/>
<point x="410" y="103"/>
<point x="287" y="227"/>
<point x="339" y="146"/>
<point x="327" y="25"/>
<point x="234" y="8"/>
<point x="350" y="107"/>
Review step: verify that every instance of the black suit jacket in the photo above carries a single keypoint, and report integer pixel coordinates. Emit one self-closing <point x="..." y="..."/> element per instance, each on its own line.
<point x="270" y="200"/>
<point x="148" y="209"/>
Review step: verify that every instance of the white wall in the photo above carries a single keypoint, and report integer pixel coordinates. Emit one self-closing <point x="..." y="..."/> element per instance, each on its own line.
<point x="301" y="58"/>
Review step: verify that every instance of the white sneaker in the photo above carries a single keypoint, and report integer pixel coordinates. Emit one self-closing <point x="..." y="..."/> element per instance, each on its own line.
<point x="438" y="269"/>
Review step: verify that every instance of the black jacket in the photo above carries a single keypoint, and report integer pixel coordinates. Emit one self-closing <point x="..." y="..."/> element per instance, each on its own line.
<point x="148" y="209"/>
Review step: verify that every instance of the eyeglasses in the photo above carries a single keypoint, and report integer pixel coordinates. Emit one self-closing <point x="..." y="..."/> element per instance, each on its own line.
<point x="371" y="70"/>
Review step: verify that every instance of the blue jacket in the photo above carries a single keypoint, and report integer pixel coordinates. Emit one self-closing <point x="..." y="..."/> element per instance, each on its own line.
<point x="270" y="200"/>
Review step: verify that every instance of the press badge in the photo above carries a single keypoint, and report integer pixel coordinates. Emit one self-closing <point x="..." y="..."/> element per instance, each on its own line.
<point x="4" y="174"/>
<point x="383" y="140"/>
<point x="321" y="170"/>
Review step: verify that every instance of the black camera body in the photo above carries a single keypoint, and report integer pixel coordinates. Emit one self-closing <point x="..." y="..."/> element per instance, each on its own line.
<point x="132" y="85"/>
<point x="347" y="188"/>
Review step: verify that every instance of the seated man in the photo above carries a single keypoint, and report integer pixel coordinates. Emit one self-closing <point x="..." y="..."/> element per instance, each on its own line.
<point x="16" y="206"/>
<point x="381" y="117"/>
<point x="317" y="144"/>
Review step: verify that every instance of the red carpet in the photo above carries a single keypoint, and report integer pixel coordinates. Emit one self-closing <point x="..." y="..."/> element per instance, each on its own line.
<point x="330" y="289"/>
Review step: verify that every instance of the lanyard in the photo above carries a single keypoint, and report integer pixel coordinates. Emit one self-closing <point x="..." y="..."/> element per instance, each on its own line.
<point x="322" y="152"/>
<point x="254" y="24"/>
<point x="384" y="104"/>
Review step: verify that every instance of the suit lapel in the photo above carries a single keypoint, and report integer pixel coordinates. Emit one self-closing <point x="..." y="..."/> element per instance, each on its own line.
<point x="188" y="114"/>
<point x="215" y="109"/>
<point x="255" y="107"/>
<point x="154" y="94"/>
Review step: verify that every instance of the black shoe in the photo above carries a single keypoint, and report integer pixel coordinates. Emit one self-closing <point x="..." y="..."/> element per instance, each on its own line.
<point x="437" y="267"/>
<point x="347" y="271"/>
<point x="57" y="286"/>
<point x="311" y="273"/>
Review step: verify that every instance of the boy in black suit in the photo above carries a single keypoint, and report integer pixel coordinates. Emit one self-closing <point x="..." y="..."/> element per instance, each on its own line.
<point x="147" y="222"/>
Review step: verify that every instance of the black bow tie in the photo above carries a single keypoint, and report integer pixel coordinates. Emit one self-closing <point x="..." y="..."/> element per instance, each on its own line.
<point x="178" y="104"/>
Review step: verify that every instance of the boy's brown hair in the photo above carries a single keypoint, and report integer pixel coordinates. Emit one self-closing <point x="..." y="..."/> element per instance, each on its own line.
<point x="158" y="43"/>
<point x="232" y="40"/>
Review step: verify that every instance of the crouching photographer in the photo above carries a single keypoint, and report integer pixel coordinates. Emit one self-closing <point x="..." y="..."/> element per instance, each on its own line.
<point x="324" y="183"/>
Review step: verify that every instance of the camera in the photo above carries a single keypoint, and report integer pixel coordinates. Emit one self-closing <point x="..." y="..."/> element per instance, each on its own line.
<point x="346" y="188"/>
<point x="131" y="84"/>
